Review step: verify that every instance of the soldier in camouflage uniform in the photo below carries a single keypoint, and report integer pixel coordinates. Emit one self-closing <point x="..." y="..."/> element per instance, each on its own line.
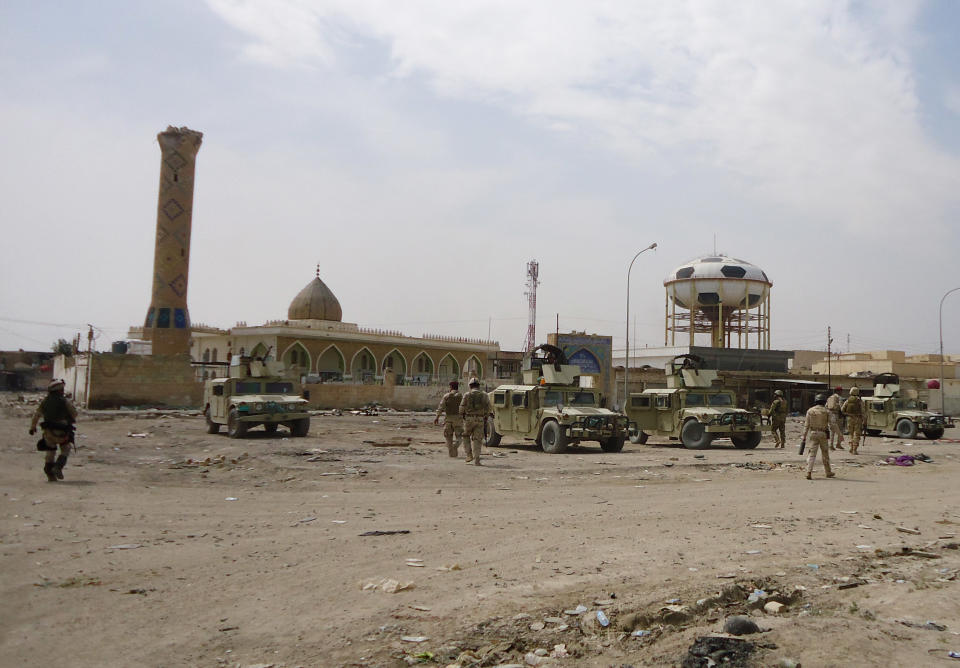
<point x="59" y="415"/>
<point x="778" y="418"/>
<point x="836" y="420"/>
<point x="452" y="422"/>
<point x="853" y="409"/>
<point x="474" y="410"/>
<point x="816" y="424"/>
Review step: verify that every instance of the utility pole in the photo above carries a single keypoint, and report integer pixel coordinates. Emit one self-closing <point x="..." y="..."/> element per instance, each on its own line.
<point x="829" y="355"/>
<point x="86" y="391"/>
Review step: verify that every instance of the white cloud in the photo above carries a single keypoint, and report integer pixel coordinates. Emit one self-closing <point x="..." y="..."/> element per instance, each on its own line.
<point x="812" y="104"/>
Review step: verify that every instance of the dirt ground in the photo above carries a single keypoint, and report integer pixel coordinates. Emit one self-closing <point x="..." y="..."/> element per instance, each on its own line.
<point x="166" y="546"/>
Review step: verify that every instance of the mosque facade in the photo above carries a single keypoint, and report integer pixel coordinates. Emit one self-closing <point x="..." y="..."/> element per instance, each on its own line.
<point x="315" y="341"/>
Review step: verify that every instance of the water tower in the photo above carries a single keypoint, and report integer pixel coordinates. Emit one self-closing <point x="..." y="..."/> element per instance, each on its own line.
<point x="720" y="296"/>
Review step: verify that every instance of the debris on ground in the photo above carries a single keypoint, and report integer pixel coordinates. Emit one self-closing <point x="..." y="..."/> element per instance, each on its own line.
<point x="387" y="585"/>
<point x="713" y="650"/>
<point x="391" y="532"/>
<point x="740" y="625"/>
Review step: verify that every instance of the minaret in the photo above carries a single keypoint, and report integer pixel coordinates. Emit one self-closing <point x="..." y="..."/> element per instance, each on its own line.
<point x="168" y="321"/>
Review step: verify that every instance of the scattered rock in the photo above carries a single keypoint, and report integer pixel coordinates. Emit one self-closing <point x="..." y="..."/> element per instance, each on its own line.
<point x="773" y="608"/>
<point x="739" y="625"/>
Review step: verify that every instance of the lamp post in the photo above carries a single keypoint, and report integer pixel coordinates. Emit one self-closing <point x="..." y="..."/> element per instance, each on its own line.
<point x="943" y="400"/>
<point x="626" y="364"/>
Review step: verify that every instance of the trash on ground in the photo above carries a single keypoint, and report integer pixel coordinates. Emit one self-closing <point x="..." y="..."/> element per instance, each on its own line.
<point x="579" y="610"/>
<point x="391" y="532"/>
<point x="125" y="546"/>
<point x="602" y="618"/>
<point x="735" y="652"/>
<point x="915" y="532"/>
<point x="414" y="638"/>
<point x="387" y="585"/>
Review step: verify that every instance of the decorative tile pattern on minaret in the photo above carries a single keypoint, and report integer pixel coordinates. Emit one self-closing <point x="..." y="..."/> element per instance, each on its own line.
<point x="168" y="321"/>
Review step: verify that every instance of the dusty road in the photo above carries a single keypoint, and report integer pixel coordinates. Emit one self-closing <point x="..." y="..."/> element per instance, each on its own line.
<point x="180" y="548"/>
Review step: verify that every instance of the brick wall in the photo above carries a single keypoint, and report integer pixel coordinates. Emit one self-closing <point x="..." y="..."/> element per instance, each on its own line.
<point x="142" y="380"/>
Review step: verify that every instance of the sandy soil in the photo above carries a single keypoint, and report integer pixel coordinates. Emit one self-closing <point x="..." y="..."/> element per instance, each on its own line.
<point x="181" y="548"/>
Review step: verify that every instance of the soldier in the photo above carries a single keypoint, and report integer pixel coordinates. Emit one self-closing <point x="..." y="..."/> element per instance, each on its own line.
<point x="452" y="423"/>
<point x="474" y="410"/>
<point x="778" y="418"/>
<point x="853" y="409"/>
<point x="59" y="415"/>
<point x="836" y="420"/>
<point x="816" y="423"/>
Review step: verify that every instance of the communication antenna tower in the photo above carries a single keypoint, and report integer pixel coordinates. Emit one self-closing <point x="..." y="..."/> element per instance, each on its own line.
<point x="533" y="280"/>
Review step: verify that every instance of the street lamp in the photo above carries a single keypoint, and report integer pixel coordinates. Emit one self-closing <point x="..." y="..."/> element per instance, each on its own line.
<point x="943" y="400"/>
<point x="626" y="365"/>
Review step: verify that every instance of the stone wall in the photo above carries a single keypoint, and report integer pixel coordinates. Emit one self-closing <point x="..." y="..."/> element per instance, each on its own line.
<point x="138" y="380"/>
<point x="401" y="397"/>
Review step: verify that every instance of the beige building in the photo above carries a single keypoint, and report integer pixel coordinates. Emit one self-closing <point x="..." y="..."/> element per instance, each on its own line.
<point x="314" y="340"/>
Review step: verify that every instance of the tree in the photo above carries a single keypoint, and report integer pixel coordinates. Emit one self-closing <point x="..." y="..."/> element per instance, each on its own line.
<point x="64" y="347"/>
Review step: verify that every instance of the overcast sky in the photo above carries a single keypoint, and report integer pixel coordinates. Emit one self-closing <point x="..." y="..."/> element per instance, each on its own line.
<point x="423" y="152"/>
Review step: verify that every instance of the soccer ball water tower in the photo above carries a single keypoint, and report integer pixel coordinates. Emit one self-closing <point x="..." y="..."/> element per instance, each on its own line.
<point x="727" y="298"/>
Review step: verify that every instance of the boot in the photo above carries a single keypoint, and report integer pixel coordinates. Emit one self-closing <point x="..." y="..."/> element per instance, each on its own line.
<point x="48" y="468"/>
<point x="831" y="474"/>
<point x="58" y="466"/>
<point x="809" y="475"/>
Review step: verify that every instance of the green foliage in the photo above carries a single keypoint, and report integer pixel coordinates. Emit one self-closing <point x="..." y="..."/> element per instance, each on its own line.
<point x="64" y="347"/>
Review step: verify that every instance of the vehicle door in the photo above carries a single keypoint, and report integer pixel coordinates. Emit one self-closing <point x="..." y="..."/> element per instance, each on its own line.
<point x="218" y="409"/>
<point x="641" y="409"/>
<point x="502" y="418"/>
<point x="520" y="403"/>
<point x="666" y="411"/>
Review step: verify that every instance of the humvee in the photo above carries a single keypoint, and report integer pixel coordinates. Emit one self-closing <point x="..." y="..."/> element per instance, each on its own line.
<point x="692" y="409"/>
<point x="552" y="409"/>
<point x="887" y="411"/>
<point x="257" y="392"/>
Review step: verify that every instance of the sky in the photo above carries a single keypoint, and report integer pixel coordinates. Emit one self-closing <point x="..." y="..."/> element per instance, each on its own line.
<point x="422" y="152"/>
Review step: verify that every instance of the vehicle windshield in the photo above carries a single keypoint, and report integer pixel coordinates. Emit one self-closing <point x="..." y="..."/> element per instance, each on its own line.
<point x="247" y="387"/>
<point x="552" y="398"/>
<point x="581" y="399"/>
<point x="721" y="400"/>
<point x="903" y="403"/>
<point x="694" y="400"/>
<point x="279" y="388"/>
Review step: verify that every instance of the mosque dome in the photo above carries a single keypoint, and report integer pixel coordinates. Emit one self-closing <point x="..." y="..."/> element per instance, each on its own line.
<point x="315" y="302"/>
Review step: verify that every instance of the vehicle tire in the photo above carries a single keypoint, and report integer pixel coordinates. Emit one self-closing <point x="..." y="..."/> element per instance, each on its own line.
<point x="933" y="434"/>
<point x="746" y="441"/>
<point x="694" y="435"/>
<point x="612" y="444"/>
<point x="640" y="437"/>
<point x="873" y="432"/>
<point x="493" y="439"/>
<point x="552" y="438"/>
<point x="299" y="428"/>
<point x="906" y="429"/>
<point x="270" y="427"/>
<point x="235" y="428"/>
<point x="212" y="427"/>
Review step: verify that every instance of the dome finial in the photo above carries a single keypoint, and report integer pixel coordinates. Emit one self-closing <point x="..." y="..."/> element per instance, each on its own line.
<point x="318" y="270"/>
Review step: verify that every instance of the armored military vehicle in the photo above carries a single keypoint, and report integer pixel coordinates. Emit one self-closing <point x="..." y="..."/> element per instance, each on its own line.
<point x="888" y="411"/>
<point x="256" y="393"/>
<point x="552" y="409"/>
<point x="692" y="409"/>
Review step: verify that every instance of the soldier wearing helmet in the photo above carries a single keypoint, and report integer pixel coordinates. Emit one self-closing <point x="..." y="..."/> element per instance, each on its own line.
<point x="778" y="418"/>
<point x="474" y="410"/>
<point x="815" y="424"/>
<point x="836" y="419"/>
<point x="59" y="416"/>
<point x="853" y="409"/>
<point x="452" y="422"/>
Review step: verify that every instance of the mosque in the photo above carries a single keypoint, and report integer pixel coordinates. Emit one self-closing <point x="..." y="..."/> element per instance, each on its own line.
<point x="314" y="342"/>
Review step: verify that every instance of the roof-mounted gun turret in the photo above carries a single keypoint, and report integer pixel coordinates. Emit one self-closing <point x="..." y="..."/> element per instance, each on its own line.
<point x="549" y="363"/>
<point x="886" y="385"/>
<point x="687" y="371"/>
